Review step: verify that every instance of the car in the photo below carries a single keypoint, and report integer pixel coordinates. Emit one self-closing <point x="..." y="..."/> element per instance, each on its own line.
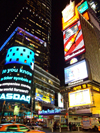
<point x="17" y="127"/>
<point x="34" y="126"/>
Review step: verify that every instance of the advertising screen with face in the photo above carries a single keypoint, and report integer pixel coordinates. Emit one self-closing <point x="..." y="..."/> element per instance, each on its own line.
<point x="76" y="72"/>
<point x="73" y="41"/>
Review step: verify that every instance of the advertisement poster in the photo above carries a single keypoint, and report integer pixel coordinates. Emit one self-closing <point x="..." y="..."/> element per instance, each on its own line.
<point x="76" y="72"/>
<point x="80" y="98"/>
<point x="73" y="41"/>
<point x="41" y="95"/>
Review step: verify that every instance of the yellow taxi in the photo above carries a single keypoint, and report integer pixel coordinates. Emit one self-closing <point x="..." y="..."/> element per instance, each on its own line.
<point x="17" y="127"/>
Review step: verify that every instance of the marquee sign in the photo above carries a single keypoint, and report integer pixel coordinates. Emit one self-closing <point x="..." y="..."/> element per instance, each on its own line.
<point x="49" y="112"/>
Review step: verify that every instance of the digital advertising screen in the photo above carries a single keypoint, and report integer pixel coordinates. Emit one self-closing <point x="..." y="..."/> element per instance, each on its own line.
<point x="83" y="7"/>
<point x="17" y="75"/>
<point x="47" y="97"/>
<point x="76" y="72"/>
<point x="68" y="12"/>
<point x="73" y="41"/>
<point x="80" y="98"/>
<point x="60" y="101"/>
<point x="69" y="15"/>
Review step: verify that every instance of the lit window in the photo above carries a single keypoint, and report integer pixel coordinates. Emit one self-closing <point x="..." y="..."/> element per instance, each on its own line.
<point x="25" y="61"/>
<point x="17" y="59"/>
<point x="21" y="54"/>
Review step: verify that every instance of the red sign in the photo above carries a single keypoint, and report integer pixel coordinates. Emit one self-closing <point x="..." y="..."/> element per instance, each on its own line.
<point x="73" y="41"/>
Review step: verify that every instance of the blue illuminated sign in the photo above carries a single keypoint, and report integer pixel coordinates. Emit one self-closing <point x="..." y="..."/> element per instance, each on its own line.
<point x="17" y="75"/>
<point x="13" y="96"/>
<point x="20" y="55"/>
<point x="9" y="38"/>
<point x="49" y="112"/>
<point x="18" y="29"/>
<point x="83" y="7"/>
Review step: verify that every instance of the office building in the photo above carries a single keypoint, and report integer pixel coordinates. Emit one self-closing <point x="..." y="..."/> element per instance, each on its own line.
<point x="33" y="16"/>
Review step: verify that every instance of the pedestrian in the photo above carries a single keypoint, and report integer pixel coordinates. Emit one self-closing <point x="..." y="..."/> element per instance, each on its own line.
<point x="70" y="126"/>
<point x="55" y="125"/>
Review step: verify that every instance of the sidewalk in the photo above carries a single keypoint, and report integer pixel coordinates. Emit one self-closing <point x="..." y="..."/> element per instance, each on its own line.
<point x="47" y="130"/>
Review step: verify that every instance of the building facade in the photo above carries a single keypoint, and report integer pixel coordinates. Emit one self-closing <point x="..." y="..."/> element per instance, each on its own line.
<point x="33" y="16"/>
<point x="81" y="44"/>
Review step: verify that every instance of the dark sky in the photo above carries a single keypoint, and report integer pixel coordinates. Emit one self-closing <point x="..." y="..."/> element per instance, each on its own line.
<point x="57" y="58"/>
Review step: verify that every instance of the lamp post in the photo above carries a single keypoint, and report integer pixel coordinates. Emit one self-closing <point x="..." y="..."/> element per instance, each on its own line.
<point x="67" y="115"/>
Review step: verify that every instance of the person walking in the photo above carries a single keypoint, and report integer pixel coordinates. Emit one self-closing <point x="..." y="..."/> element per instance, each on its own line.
<point x="70" y="126"/>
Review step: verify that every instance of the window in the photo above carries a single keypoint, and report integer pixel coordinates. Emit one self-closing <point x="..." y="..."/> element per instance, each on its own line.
<point x="28" y="56"/>
<point x="23" y="128"/>
<point x="12" y="128"/>
<point x="17" y="59"/>
<point x="17" y="49"/>
<point x="24" y="50"/>
<point x="10" y="60"/>
<point x="21" y="54"/>
<point x="25" y="61"/>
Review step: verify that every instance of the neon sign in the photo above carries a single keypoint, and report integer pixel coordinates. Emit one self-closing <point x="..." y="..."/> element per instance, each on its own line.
<point x="45" y="112"/>
<point x="17" y="75"/>
<point x="14" y="96"/>
<point x="16" y="70"/>
<point x="83" y="7"/>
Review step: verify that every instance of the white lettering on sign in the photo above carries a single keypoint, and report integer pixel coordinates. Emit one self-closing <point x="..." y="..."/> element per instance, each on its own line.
<point x="13" y="96"/>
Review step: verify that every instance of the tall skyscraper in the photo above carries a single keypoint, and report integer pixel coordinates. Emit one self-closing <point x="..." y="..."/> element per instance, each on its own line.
<point x="33" y="16"/>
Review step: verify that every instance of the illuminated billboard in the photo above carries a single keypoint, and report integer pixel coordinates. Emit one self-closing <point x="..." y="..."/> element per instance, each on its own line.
<point x="75" y="72"/>
<point x="47" y="97"/>
<point x="17" y="75"/>
<point x="83" y="7"/>
<point x="73" y="41"/>
<point x="80" y="98"/>
<point x="68" y="12"/>
<point x="69" y="15"/>
<point x="60" y="101"/>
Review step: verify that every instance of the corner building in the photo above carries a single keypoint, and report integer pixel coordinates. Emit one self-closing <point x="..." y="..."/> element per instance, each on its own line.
<point x="82" y="93"/>
<point x="31" y="28"/>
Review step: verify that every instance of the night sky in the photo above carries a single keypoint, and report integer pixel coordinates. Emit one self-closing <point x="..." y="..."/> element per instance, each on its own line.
<point x="57" y="55"/>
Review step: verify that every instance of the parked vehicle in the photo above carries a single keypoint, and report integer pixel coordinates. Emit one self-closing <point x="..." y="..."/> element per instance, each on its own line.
<point x="90" y="123"/>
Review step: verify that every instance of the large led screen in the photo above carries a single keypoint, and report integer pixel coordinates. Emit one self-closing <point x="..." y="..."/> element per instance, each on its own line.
<point x="47" y="97"/>
<point x="76" y="72"/>
<point x="80" y="98"/>
<point x="73" y="41"/>
<point x="17" y="75"/>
